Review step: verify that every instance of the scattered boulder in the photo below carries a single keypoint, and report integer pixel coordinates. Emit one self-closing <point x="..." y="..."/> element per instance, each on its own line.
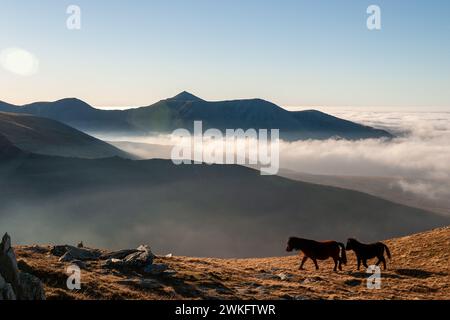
<point x="121" y="254"/>
<point x="15" y="284"/>
<point x="138" y="259"/>
<point x="66" y="257"/>
<point x="58" y="250"/>
<point x="69" y="253"/>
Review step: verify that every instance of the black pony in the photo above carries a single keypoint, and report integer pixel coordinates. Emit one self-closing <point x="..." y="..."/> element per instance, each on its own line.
<point x="367" y="251"/>
<point x="318" y="251"/>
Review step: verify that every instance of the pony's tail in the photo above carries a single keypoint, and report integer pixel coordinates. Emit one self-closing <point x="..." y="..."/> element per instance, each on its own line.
<point x="387" y="251"/>
<point x="343" y="254"/>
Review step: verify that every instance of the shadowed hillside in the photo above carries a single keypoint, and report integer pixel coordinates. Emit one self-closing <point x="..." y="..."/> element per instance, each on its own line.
<point x="200" y="210"/>
<point x="7" y="149"/>
<point x="388" y="188"/>
<point x="46" y="136"/>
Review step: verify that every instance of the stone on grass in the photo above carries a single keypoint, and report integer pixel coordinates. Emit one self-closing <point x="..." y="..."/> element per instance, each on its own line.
<point x="118" y="254"/>
<point x="69" y="253"/>
<point x="136" y="259"/>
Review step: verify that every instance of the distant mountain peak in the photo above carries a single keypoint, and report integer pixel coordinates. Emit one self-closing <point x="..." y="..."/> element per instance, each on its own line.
<point x="61" y="103"/>
<point x="186" y="96"/>
<point x="73" y="102"/>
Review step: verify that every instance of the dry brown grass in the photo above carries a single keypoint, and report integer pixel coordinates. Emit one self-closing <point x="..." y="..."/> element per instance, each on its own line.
<point x="420" y="269"/>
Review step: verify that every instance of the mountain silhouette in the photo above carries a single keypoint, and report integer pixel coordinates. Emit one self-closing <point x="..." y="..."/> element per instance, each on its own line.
<point x="183" y="109"/>
<point x="47" y="136"/>
<point x="75" y="113"/>
<point x="186" y="96"/>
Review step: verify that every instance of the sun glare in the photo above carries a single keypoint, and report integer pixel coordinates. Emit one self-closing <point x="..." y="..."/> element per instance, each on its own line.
<point x="19" y="61"/>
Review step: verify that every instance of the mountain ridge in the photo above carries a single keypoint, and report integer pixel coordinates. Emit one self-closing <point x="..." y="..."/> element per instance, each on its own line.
<point x="184" y="108"/>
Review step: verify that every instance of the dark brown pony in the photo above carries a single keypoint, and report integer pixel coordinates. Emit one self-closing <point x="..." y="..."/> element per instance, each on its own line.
<point x="368" y="251"/>
<point x="318" y="251"/>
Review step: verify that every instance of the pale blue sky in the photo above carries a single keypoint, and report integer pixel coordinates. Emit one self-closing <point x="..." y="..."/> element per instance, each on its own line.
<point x="294" y="53"/>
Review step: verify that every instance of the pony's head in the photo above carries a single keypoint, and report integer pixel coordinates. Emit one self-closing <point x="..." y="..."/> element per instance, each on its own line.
<point x="291" y="244"/>
<point x="350" y="244"/>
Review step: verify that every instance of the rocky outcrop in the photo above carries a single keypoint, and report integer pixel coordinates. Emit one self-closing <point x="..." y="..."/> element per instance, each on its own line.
<point x="8" y="263"/>
<point x="15" y="284"/>
<point x="30" y="287"/>
<point x="121" y="254"/>
<point x="69" y="253"/>
<point x="139" y="259"/>
<point x="6" y="290"/>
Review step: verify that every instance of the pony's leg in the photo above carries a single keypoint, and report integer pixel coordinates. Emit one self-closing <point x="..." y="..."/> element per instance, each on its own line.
<point x="303" y="262"/>
<point x="335" y="264"/>
<point x="359" y="263"/>
<point x="315" y="263"/>
<point x="340" y="264"/>
<point x="384" y="262"/>
<point x="365" y="263"/>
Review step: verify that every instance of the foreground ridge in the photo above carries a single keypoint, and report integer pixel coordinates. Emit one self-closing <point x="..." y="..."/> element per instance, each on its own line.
<point x="419" y="269"/>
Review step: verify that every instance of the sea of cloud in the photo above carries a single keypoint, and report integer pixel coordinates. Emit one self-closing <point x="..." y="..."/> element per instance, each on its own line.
<point x="419" y="154"/>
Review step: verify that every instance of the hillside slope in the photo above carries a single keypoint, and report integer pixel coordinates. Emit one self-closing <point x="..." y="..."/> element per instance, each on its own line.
<point x="419" y="269"/>
<point x="50" y="137"/>
<point x="116" y="202"/>
<point x="389" y="188"/>
<point x="8" y="149"/>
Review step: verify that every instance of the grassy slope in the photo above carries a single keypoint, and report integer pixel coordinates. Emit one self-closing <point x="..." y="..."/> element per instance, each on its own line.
<point x="419" y="270"/>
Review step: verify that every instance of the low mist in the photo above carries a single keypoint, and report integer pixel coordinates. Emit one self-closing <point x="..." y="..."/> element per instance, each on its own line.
<point x="418" y="157"/>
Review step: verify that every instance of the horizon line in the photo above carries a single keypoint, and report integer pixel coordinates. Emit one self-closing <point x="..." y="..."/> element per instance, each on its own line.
<point x="286" y="107"/>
